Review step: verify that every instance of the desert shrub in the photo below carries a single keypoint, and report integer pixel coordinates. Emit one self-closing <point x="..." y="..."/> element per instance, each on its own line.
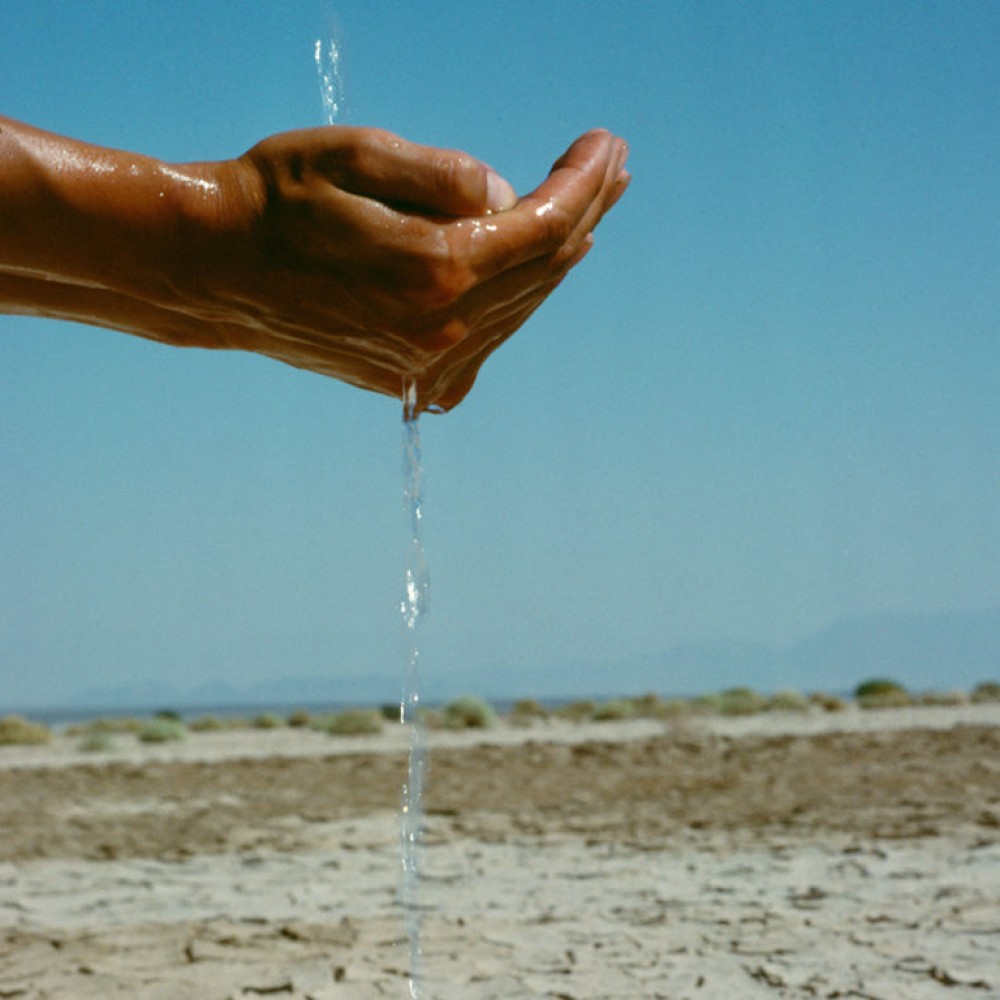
<point x="390" y="711"/>
<point x="942" y="699"/>
<point x="707" y="704"/>
<point x="162" y="731"/>
<point x="526" y="712"/>
<point x="877" y="686"/>
<point x="788" y="701"/>
<point x="741" y="701"/>
<point x="988" y="692"/>
<point x="116" y="725"/>
<point x="267" y="720"/>
<point x="616" y="710"/>
<point x="673" y="708"/>
<point x="827" y="702"/>
<point x="299" y="719"/>
<point x="576" y="711"/>
<point x="96" y="741"/>
<point x="652" y="706"/>
<point x="17" y="731"/>
<point x="169" y="714"/>
<point x="206" y="724"/>
<point x="355" y="722"/>
<point x="646" y="705"/>
<point x="469" y="712"/>
<point x="529" y="708"/>
<point x="890" y="699"/>
<point x="881" y="693"/>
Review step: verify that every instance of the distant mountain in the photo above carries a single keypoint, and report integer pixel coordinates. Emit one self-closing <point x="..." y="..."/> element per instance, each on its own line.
<point x="933" y="650"/>
<point x="923" y="651"/>
<point x="296" y="689"/>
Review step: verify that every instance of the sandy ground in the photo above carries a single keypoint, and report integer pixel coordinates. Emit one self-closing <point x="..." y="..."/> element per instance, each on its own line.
<point x="855" y="855"/>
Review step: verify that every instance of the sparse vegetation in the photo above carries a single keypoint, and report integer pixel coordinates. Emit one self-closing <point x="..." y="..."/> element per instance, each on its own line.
<point x="616" y="710"/>
<point x="300" y="719"/>
<point x="652" y="706"/>
<point x="788" y="701"/>
<point x="469" y="712"/>
<point x="986" y="693"/>
<point x="119" y="725"/>
<point x="673" y="708"/>
<point x="529" y="708"/>
<point x="577" y="711"/>
<point x="18" y="731"/>
<point x="162" y="730"/>
<point x="206" y="724"/>
<point x="827" y="702"/>
<point x="97" y="741"/>
<point x="267" y="720"/>
<point x="942" y="699"/>
<point x="526" y="712"/>
<point x="355" y="722"/>
<point x="741" y="701"/>
<point x="707" y="704"/>
<point x="880" y="692"/>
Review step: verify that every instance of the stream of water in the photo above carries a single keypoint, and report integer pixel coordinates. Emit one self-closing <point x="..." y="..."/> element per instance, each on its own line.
<point x="412" y="607"/>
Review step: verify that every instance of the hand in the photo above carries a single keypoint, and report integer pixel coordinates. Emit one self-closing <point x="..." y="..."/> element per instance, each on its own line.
<point x="345" y="251"/>
<point x="373" y="260"/>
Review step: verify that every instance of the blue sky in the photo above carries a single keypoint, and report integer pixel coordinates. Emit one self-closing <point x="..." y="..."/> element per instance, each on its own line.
<point x="768" y="400"/>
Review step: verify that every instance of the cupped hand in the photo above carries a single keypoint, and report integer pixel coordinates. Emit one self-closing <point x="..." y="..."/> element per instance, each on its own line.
<point x="352" y="253"/>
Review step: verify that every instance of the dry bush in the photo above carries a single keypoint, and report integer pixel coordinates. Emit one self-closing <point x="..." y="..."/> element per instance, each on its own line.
<point x="162" y="730"/>
<point x="355" y="722"/>
<point x="788" y="701"/>
<point x="267" y="720"/>
<point x="741" y="701"/>
<point x="881" y="692"/>
<point x="469" y="712"/>
<point x="529" y="708"/>
<point x="96" y="741"/>
<point x="300" y="719"/>
<point x="986" y="693"/>
<point x="17" y="731"/>
<point x="121" y="725"/>
<point x="616" y="710"/>
<point x="206" y="724"/>
<point x="577" y="711"/>
<point x="707" y="704"/>
<point x="827" y="702"/>
<point x="942" y="699"/>
<point x="652" y="706"/>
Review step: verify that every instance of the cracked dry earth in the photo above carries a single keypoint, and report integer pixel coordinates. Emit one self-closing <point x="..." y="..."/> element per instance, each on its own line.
<point x="687" y="865"/>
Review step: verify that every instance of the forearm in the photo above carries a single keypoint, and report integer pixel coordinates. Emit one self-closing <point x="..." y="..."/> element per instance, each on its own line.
<point x="92" y="234"/>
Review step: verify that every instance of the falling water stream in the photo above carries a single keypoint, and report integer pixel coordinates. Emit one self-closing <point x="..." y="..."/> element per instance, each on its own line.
<point x="413" y="606"/>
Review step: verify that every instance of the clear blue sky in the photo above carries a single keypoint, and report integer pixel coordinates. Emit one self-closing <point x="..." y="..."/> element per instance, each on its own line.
<point x="767" y="401"/>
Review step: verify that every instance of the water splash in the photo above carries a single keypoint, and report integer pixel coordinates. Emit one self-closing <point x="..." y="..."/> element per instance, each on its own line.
<point x="413" y="607"/>
<point x="331" y="84"/>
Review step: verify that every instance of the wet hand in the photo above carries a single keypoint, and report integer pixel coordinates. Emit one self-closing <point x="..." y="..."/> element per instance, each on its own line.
<point x="354" y="254"/>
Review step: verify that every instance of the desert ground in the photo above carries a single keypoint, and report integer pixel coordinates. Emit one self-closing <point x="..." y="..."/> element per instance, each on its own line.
<point x="854" y="854"/>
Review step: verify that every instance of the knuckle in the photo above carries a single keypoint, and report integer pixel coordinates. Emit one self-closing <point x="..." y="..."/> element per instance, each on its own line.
<point x="451" y="172"/>
<point x="555" y="224"/>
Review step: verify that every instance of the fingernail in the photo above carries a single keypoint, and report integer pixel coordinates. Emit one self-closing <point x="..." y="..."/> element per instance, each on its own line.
<point x="499" y="194"/>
